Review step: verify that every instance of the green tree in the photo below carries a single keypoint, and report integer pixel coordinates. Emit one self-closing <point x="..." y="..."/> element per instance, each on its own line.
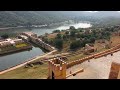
<point x="5" y="36"/>
<point x="64" y="37"/>
<point x="92" y="40"/>
<point x="72" y="33"/>
<point x="75" y="45"/>
<point x="59" y="43"/>
<point x="67" y="32"/>
<point x="59" y="36"/>
<point x="56" y="31"/>
<point x="72" y="28"/>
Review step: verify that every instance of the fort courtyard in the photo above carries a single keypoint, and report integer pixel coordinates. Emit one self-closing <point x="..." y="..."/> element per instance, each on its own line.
<point x="96" y="68"/>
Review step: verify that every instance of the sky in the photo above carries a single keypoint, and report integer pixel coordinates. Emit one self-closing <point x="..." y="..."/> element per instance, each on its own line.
<point x="96" y="11"/>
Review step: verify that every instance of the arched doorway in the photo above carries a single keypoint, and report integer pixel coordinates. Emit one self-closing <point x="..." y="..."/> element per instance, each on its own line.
<point x="53" y="75"/>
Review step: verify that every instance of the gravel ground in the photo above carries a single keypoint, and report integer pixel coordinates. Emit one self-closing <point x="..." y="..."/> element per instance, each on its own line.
<point x="96" y="68"/>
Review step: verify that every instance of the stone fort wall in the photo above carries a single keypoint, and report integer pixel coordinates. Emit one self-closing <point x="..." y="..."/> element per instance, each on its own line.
<point x="98" y="55"/>
<point x="57" y="69"/>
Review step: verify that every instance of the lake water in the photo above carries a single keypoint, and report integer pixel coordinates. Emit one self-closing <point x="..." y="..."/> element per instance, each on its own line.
<point x="20" y="57"/>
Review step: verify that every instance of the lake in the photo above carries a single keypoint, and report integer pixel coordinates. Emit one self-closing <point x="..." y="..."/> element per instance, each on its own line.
<point x="13" y="59"/>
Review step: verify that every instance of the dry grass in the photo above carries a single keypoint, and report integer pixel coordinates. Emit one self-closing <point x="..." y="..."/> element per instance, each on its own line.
<point x="115" y="40"/>
<point x="52" y="35"/>
<point x="36" y="72"/>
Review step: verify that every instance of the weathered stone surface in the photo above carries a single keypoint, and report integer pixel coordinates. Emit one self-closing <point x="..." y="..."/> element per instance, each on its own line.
<point x="114" y="72"/>
<point x="57" y="69"/>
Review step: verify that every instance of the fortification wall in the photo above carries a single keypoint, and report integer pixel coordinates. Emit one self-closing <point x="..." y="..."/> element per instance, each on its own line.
<point x="98" y="55"/>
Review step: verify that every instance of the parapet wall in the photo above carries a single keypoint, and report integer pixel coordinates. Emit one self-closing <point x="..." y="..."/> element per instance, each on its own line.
<point x="97" y="55"/>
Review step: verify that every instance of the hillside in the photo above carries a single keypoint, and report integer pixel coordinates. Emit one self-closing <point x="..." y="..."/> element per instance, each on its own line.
<point x="15" y="18"/>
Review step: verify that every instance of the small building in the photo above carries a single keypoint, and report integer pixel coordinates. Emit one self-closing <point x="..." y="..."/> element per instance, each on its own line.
<point x="10" y="42"/>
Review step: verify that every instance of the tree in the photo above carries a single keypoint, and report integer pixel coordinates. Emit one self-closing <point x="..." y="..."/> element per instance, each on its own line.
<point x="59" y="36"/>
<point x="56" y="31"/>
<point x="72" y="33"/>
<point x="5" y="36"/>
<point x="78" y="35"/>
<point x="67" y="32"/>
<point x="75" y="44"/>
<point x="59" y="43"/>
<point x="72" y="28"/>
<point x="45" y="39"/>
<point x="64" y="37"/>
<point x="92" y="39"/>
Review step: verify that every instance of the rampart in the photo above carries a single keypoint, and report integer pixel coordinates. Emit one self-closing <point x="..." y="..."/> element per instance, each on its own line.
<point x="97" y="55"/>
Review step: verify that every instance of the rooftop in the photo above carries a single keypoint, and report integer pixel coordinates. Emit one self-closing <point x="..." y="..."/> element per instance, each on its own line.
<point x="9" y="41"/>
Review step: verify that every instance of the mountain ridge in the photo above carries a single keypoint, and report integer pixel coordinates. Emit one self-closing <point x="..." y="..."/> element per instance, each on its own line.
<point x="16" y="18"/>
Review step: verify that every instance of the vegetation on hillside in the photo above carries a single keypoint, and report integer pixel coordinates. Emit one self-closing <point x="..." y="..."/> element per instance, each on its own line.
<point x="24" y="18"/>
<point x="78" y="38"/>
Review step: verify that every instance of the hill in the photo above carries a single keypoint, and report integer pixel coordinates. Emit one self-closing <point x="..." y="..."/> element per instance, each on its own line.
<point x="15" y="18"/>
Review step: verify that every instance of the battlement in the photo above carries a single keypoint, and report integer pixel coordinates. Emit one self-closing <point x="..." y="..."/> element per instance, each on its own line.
<point x="57" y="69"/>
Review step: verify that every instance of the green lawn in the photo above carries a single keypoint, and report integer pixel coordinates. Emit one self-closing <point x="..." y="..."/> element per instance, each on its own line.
<point x="21" y="45"/>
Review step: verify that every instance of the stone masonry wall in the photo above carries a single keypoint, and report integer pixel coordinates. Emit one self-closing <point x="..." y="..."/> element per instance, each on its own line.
<point x="115" y="70"/>
<point x="98" y="55"/>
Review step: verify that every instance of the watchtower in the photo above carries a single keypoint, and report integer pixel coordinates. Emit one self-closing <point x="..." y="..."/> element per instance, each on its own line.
<point x="57" y="69"/>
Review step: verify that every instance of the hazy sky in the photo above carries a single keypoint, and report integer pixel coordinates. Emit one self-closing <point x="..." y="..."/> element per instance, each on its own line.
<point x="96" y="11"/>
